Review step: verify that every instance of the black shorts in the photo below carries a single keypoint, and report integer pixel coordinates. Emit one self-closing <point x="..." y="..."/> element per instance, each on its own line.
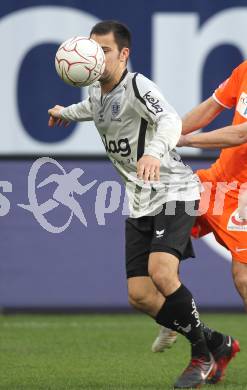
<point x="159" y="233"/>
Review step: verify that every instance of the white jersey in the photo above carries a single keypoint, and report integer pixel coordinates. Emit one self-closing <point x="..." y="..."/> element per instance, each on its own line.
<point x="134" y="120"/>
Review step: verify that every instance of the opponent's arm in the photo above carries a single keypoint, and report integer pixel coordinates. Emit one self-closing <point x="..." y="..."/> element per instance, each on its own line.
<point x="201" y="115"/>
<point x="225" y="137"/>
<point x="225" y="96"/>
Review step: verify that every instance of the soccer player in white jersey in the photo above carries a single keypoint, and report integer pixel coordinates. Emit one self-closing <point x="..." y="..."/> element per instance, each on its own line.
<point x="140" y="130"/>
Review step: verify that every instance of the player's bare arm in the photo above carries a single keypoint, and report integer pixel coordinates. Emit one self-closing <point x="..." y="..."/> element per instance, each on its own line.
<point x="225" y="137"/>
<point x="148" y="168"/>
<point x="201" y="115"/>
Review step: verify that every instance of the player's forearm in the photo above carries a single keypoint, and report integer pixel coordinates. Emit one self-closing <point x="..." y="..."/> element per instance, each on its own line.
<point x="201" y="115"/>
<point x="222" y="138"/>
<point x="76" y="113"/>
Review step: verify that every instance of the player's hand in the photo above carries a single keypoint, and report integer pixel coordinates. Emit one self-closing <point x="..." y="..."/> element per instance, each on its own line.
<point x="148" y="168"/>
<point x="56" y="118"/>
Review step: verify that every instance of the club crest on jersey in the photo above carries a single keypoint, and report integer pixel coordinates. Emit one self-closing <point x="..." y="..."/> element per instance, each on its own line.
<point x="115" y="109"/>
<point x="236" y="223"/>
<point x="153" y="102"/>
<point x="242" y="105"/>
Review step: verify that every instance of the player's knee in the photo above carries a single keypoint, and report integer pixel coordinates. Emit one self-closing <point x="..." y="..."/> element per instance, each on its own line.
<point x="162" y="266"/>
<point x="163" y="274"/>
<point x="137" y="298"/>
<point x="142" y="300"/>
<point x="160" y="277"/>
<point x="165" y="282"/>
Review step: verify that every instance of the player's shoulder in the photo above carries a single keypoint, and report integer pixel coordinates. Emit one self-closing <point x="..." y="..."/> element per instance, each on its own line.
<point x="139" y="79"/>
<point x="243" y="65"/>
<point x="241" y="69"/>
<point x="139" y="84"/>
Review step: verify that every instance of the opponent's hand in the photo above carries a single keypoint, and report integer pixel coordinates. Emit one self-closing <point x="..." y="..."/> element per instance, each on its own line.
<point x="148" y="168"/>
<point x="56" y="118"/>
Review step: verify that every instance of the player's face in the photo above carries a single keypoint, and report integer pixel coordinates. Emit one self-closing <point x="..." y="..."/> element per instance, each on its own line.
<point x="115" y="60"/>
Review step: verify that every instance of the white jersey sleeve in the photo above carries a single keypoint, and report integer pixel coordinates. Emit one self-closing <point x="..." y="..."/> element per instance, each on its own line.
<point x="150" y="104"/>
<point x="78" y="112"/>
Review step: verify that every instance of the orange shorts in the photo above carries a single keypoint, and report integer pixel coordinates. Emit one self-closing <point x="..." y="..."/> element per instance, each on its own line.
<point x="220" y="216"/>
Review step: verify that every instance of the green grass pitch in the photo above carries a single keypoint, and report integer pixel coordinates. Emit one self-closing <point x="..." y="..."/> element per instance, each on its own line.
<point x="58" y="352"/>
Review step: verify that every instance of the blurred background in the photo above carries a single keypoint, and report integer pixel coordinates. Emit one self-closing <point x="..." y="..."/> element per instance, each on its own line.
<point x="50" y="260"/>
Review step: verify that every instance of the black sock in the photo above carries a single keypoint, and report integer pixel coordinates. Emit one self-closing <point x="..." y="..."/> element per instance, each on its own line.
<point x="213" y="338"/>
<point x="179" y="313"/>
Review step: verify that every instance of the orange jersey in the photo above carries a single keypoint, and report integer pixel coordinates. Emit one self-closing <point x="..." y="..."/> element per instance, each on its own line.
<point x="232" y="163"/>
<point x="228" y="227"/>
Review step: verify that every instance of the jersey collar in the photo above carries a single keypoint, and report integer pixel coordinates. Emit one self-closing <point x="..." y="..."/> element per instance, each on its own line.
<point x="116" y="85"/>
<point x="121" y="79"/>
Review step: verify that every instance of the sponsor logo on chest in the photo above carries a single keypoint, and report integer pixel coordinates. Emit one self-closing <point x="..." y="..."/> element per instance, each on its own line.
<point x="120" y="146"/>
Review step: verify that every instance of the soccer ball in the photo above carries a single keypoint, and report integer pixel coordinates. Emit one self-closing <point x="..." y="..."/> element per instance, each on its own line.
<point x="80" y="61"/>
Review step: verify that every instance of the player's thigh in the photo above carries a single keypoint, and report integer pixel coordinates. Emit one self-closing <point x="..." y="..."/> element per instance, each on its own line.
<point x="171" y="243"/>
<point x="138" y="236"/>
<point x="163" y="269"/>
<point x="171" y="232"/>
<point x="163" y="265"/>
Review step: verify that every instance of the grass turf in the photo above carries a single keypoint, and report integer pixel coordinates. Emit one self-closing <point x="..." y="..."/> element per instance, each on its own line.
<point x="102" y="352"/>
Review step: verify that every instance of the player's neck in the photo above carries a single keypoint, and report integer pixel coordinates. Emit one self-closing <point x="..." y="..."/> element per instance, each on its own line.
<point x="108" y="85"/>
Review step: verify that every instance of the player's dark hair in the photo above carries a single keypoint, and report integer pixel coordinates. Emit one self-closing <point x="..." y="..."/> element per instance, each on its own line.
<point x="120" y="31"/>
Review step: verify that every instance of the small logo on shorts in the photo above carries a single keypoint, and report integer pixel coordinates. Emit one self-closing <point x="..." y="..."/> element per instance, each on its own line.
<point x="241" y="249"/>
<point x="160" y="233"/>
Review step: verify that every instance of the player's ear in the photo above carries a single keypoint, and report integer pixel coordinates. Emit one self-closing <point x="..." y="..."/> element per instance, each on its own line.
<point x="124" y="54"/>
